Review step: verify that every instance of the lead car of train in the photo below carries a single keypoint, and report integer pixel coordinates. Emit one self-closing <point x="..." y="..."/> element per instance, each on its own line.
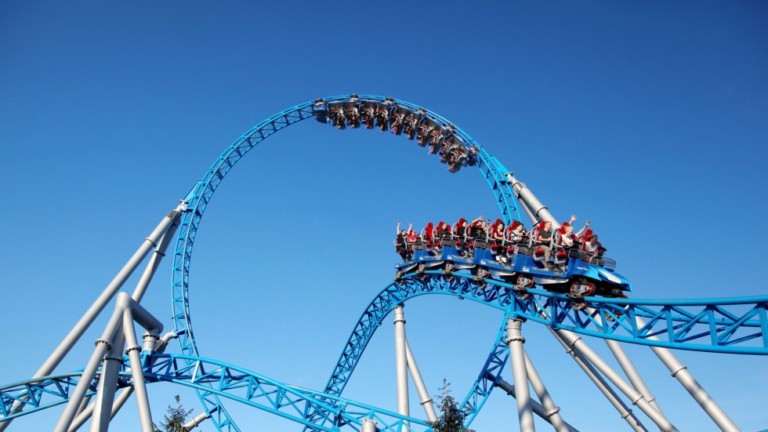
<point x="573" y="271"/>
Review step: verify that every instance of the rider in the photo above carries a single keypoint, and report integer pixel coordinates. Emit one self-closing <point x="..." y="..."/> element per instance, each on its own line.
<point x="497" y="239"/>
<point x="543" y="239"/>
<point x="402" y="246"/>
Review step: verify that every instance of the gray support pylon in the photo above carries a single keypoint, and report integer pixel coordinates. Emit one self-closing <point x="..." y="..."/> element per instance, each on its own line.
<point x="203" y="416"/>
<point x="87" y="318"/>
<point x="538" y="408"/>
<point x="98" y="305"/>
<point x="105" y="395"/>
<point x="603" y="386"/>
<point x="586" y="352"/>
<point x="626" y="365"/>
<point x="102" y="346"/>
<point x="552" y="410"/>
<point x="154" y="261"/>
<point x="418" y="381"/>
<point x="140" y="388"/>
<point x="528" y="199"/>
<point x="368" y="425"/>
<point x="631" y="373"/>
<point x="143" y="317"/>
<point x="83" y="417"/>
<point x="84" y="405"/>
<point x="515" y="342"/>
<point x="681" y="373"/>
<point x="401" y="364"/>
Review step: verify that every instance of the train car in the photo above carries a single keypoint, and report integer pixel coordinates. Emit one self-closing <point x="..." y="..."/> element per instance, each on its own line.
<point x="574" y="272"/>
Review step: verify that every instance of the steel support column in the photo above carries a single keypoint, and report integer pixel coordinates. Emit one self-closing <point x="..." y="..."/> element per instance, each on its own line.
<point x="515" y="342"/>
<point x="552" y="410"/>
<point x="603" y="386"/>
<point x="418" y="381"/>
<point x="538" y="408"/>
<point x="586" y="353"/>
<point x="401" y="363"/>
<point x="681" y="373"/>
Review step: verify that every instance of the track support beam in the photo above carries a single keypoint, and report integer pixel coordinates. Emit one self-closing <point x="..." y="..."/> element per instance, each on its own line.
<point x="693" y="387"/>
<point x="515" y="342"/>
<point x="401" y="363"/>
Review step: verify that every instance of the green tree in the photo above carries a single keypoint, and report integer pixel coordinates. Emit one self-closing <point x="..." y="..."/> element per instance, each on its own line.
<point x="451" y="417"/>
<point x="175" y="418"/>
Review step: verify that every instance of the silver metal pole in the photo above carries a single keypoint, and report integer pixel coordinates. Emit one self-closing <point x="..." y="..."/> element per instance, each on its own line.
<point x="154" y="261"/>
<point x="425" y="399"/>
<point x="631" y="373"/>
<point x="603" y="386"/>
<point x="538" y="408"/>
<point x="552" y="410"/>
<point x="124" y="273"/>
<point x="203" y="416"/>
<point x="83" y="406"/>
<point x="86" y="414"/>
<point x="132" y="349"/>
<point x="515" y="342"/>
<point x="98" y="305"/>
<point x="626" y="365"/>
<point x="105" y="396"/>
<point x="368" y="426"/>
<point x="401" y="363"/>
<point x="102" y="346"/>
<point x="681" y="373"/>
<point x="524" y="195"/>
<point x="636" y="398"/>
<point x="85" y="380"/>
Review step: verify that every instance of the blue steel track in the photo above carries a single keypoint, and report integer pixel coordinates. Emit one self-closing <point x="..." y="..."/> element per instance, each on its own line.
<point x="727" y="325"/>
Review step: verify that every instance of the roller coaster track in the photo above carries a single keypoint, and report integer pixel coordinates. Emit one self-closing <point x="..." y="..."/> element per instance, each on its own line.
<point x="727" y="325"/>
<point x="694" y="323"/>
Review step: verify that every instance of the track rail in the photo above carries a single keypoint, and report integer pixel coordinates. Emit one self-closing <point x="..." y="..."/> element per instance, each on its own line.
<point x="727" y="325"/>
<point x="201" y="194"/>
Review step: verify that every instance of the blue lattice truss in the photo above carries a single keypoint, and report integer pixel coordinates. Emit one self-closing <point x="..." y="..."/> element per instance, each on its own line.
<point x="734" y="325"/>
<point x="719" y="325"/>
<point x="200" y="195"/>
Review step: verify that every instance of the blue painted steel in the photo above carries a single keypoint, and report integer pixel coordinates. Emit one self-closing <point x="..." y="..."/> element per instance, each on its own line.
<point x="200" y="195"/>
<point x="728" y="325"/>
<point x="690" y="325"/>
<point x="489" y="374"/>
<point x="212" y="377"/>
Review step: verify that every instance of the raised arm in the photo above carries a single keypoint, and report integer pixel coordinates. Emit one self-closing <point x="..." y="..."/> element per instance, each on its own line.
<point x="581" y="231"/>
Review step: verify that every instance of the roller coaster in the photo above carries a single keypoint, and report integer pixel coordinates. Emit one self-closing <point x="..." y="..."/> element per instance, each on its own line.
<point x="121" y="366"/>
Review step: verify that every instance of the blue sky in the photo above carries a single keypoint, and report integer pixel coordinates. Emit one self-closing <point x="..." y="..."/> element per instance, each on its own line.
<point x="647" y="118"/>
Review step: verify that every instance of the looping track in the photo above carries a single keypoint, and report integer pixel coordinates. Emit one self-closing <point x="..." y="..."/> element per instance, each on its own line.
<point x="728" y="325"/>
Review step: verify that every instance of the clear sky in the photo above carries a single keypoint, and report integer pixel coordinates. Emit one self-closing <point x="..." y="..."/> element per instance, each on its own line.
<point x="647" y="118"/>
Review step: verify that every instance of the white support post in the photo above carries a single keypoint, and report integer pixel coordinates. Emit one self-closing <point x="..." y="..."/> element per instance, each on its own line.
<point x="86" y="413"/>
<point x="203" y="416"/>
<point x="98" y="305"/>
<point x="368" y="426"/>
<point x="552" y="410"/>
<point x="538" y="408"/>
<point x="102" y="346"/>
<point x="695" y="389"/>
<point x="532" y="204"/>
<point x="154" y="261"/>
<point x="105" y="395"/>
<point x="634" y="377"/>
<point x="515" y="342"/>
<point x="626" y="365"/>
<point x="603" y="386"/>
<point x="401" y="364"/>
<point x="418" y="381"/>
<point x="132" y="349"/>
<point x="585" y="352"/>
